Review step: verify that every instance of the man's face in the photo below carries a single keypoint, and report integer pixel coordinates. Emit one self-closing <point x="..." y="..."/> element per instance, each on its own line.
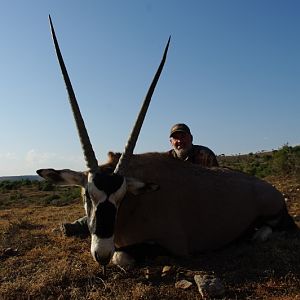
<point x="181" y="143"/>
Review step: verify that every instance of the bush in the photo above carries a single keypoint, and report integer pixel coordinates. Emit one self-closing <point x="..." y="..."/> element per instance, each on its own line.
<point x="50" y="199"/>
<point x="284" y="161"/>
<point x="46" y="185"/>
<point x="7" y="185"/>
<point x="62" y="196"/>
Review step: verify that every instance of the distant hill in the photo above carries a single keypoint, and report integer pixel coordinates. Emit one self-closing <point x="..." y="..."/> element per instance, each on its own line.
<point x="22" y="177"/>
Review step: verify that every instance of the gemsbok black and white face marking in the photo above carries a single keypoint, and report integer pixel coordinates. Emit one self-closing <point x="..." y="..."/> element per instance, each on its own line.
<point x="103" y="191"/>
<point x="102" y="195"/>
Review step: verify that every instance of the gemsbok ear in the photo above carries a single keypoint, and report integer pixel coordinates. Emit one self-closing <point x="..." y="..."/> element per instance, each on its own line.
<point x="137" y="187"/>
<point x="64" y="177"/>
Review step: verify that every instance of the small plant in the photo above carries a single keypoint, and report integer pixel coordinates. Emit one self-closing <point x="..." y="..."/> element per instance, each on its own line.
<point x="16" y="196"/>
<point x="46" y="185"/>
<point x="62" y="196"/>
<point x="50" y="199"/>
<point x="7" y="185"/>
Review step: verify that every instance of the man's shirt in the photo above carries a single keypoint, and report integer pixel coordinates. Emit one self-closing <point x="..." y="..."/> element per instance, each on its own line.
<point x="200" y="155"/>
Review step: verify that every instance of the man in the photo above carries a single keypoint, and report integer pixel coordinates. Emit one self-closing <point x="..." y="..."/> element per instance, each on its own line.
<point x="182" y="143"/>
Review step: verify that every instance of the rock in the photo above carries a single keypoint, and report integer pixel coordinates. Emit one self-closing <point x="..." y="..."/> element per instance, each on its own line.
<point x="151" y="274"/>
<point x="10" y="252"/>
<point x="209" y="286"/>
<point x="183" y="284"/>
<point x="167" y="270"/>
<point x="189" y="274"/>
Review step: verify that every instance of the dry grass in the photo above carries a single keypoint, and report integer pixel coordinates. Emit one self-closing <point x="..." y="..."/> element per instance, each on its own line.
<point x="47" y="265"/>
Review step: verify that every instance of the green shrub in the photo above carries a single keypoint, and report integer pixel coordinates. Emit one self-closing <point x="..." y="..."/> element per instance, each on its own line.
<point x="16" y="196"/>
<point x="46" y="185"/>
<point x="7" y="185"/>
<point x="284" y="161"/>
<point x="63" y="196"/>
<point x="51" y="198"/>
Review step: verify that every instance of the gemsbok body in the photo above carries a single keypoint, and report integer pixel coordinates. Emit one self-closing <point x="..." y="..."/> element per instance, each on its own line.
<point x="152" y="197"/>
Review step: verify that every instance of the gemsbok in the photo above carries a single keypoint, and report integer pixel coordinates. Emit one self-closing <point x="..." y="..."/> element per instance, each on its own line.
<point x="150" y="197"/>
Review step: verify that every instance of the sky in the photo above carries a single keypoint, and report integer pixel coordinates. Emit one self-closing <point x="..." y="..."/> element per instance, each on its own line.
<point x="232" y="74"/>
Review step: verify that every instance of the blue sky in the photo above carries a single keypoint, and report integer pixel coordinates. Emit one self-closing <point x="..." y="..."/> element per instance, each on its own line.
<point x="232" y="74"/>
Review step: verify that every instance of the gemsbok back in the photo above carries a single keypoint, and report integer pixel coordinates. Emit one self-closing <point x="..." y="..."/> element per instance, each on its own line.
<point x="151" y="197"/>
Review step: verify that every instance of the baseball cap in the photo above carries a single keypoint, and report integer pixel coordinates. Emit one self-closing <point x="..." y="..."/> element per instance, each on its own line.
<point x="180" y="128"/>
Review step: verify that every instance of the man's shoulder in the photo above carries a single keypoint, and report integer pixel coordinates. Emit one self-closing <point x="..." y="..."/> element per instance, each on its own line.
<point x="205" y="156"/>
<point x="202" y="149"/>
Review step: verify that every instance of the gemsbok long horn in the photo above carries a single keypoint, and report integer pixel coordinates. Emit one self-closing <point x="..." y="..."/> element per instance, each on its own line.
<point x="129" y="148"/>
<point x="86" y="145"/>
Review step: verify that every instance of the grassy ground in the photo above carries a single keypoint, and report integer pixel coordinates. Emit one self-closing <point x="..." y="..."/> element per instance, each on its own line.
<point x="37" y="262"/>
